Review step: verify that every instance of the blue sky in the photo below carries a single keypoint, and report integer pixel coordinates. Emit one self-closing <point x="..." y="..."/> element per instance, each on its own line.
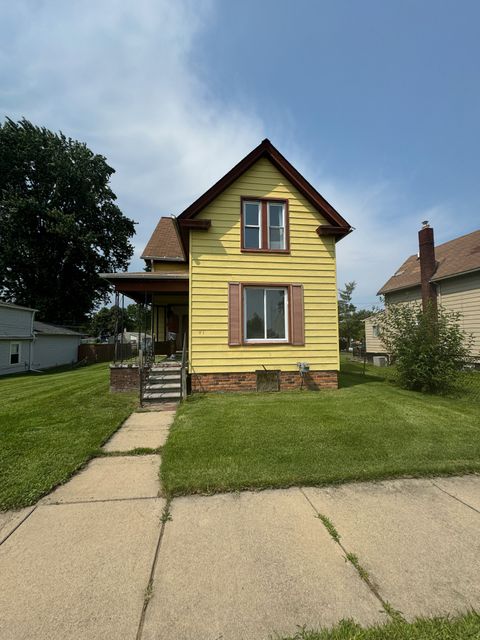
<point x="376" y="102"/>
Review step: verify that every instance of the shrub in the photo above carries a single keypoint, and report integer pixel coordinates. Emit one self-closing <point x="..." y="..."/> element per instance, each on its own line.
<point x="429" y="347"/>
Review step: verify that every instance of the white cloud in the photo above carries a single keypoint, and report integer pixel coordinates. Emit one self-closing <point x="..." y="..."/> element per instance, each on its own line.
<point x="123" y="77"/>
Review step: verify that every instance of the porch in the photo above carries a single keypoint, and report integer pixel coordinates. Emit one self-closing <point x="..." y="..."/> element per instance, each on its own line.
<point x="157" y="295"/>
<point x="162" y="303"/>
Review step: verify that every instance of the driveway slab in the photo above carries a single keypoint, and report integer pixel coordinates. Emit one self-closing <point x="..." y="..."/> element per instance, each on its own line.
<point x="142" y="429"/>
<point x="111" y="478"/>
<point x="465" y="488"/>
<point x="420" y="546"/>
<point x="78" y="571"/>
<point x="11" y="519"/>
<point x="242" y="566"/>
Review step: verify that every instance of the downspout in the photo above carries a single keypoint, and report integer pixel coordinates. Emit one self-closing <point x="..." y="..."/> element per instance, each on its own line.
<point x="428" y="265"/>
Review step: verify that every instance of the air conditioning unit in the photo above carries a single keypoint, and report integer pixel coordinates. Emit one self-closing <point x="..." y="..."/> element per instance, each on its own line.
<point x="380" y="361"/>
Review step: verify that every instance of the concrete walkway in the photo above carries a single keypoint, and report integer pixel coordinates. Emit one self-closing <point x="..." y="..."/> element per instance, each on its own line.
<point x="106" y="556"/>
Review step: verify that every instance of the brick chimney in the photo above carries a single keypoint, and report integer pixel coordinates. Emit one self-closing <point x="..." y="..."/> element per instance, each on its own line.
<point x="427" y="264"/>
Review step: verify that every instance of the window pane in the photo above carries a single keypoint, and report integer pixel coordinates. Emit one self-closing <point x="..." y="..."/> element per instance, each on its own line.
<point x="251" y="238"/>
<point x="252" y="211"/>
<point x="276" y="313"/>
<point x="254" y="313"/>
<point x="276" y="215"/>
<point x="276" y="239"/>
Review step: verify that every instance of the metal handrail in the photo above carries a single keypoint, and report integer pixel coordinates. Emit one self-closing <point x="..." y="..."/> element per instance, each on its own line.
<point x="183" y="370"/>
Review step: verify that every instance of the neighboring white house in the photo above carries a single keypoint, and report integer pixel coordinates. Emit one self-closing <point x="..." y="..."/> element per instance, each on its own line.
<point x="16" y="338"/>
<point x="54" y="346"/>
<point x="27" y="344"/>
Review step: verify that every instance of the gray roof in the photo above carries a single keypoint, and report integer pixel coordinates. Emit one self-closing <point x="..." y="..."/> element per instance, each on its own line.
<point x="53" y="330"/>
<point x="10" y="305"/>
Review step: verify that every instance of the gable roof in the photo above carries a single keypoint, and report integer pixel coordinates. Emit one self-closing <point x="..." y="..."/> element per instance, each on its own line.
<point x="455" y="257"/>
<point x="165" y="243"/>
<point x="266" y="150"/>
<point x="53" y="330"/>
<point x="10" y="305"/>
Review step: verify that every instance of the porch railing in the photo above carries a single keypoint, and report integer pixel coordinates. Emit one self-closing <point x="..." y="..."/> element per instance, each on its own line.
<point x="184" y="367"/>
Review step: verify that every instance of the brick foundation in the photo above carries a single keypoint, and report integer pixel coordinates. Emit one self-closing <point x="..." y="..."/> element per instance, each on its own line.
<point x="289" y="380"/>
<point x="123" y="378"/>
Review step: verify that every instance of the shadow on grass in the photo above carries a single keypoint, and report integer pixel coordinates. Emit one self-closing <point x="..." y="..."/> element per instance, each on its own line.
<point x="352" y="379"/>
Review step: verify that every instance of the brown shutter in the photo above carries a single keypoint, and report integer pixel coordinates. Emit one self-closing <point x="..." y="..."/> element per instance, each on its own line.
<point x="297" y="315"/>
<point x="234" y="314"/>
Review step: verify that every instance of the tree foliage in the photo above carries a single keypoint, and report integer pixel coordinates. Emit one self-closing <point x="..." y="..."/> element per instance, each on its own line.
<point x="429" y="347"/>
<point x="107" y="320"/>
<point x="350" y="319"/>
<point x="59" y="224"/>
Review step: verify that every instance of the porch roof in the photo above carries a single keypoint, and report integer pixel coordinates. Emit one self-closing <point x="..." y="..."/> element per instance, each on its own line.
<point x="140" y="286"/>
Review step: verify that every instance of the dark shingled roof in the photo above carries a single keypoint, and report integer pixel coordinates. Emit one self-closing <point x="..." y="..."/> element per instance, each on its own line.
<point x="165" y="243"/>
<point x="455" y="257"/>
<point x="53" y="329"/>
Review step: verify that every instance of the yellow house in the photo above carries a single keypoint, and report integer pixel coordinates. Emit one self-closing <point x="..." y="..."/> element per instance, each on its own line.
<point x="248" y="274"/>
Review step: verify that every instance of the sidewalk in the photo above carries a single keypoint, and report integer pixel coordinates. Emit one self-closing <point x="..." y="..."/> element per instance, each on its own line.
<point x="107" y="556"/>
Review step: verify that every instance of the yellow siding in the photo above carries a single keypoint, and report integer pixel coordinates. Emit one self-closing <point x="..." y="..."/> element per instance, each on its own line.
<point x="170" y="267"/>
<point x="216" y="259"/>
<point x="462" y="294"/>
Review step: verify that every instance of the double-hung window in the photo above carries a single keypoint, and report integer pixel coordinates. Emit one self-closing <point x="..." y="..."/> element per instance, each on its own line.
<point x="264" y="225"/>
<point x="252" y="225"/>
<point x="14" y="353"/>
<point x="265" y="314"/>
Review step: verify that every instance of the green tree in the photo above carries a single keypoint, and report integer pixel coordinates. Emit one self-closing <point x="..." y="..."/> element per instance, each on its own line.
<point x="59" y="224"/>
<point x="346" y="310"/>
<point x="106" y="320"/>
<point x="429" y="347"/>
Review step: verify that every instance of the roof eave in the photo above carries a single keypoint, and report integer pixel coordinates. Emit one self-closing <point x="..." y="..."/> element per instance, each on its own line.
<point x="266" y="149"/>
<point x="456" y="275"/>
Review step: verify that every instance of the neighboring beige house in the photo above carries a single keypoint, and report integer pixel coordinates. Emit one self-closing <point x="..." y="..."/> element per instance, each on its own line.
<point x="451" y="275"/>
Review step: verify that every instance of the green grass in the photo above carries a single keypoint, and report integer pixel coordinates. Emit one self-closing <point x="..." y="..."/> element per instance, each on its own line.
<point x="465" y="627"/>
<point x="51" y="424"/>
<point x="368" y="429"/>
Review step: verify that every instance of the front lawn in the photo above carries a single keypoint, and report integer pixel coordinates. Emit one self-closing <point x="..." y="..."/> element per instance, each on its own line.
<point x="368" y="429"/>
<point x="51" y="424"/>
<point x="459" y="628"/>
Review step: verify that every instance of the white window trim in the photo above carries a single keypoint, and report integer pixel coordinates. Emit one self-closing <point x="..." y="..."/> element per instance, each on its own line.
<point x="15" y="364"/>
<point x="264" y="289"/>
<point x="282" y="226"/>
<point x="253" y="226"/>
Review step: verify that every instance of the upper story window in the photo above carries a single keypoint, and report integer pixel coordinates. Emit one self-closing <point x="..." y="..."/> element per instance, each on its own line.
<point x="264" y="225"/>
<point x="376" y="331"/>
<point x="14" y="353"/>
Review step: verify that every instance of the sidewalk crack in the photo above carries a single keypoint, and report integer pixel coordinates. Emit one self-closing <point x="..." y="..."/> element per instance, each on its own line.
<point x="455" y="497"/>
<point x="18" y="525"/>
<point x="165" y="517"/>
<point x="354" y="561"/>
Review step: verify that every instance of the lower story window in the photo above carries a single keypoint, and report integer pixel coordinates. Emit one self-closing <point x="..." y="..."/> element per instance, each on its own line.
<point x="265" y="313"/>
<point x="14" y="353"/>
